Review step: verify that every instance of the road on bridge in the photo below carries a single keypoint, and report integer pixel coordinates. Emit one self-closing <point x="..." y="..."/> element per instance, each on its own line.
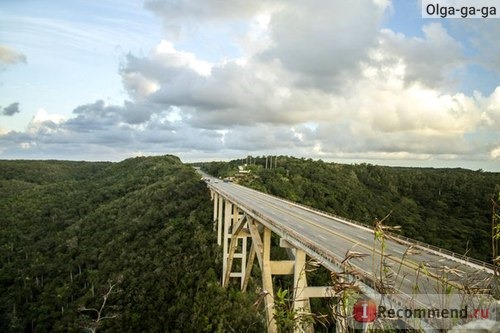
<point x="413" y="269"/>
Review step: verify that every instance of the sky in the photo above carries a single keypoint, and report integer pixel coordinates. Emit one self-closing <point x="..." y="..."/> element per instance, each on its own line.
<point x="359" y="81"/>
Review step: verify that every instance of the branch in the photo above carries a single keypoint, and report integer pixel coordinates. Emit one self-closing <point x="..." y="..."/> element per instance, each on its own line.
<point x="88" y="309"/>
<point x="105" y="297"/>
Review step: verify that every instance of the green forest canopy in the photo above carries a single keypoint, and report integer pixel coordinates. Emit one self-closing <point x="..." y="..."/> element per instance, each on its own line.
<point x="70" y="230"/>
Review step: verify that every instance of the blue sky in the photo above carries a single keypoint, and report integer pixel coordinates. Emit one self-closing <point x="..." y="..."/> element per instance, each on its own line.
<point x="73" y="49"/>
<point x="358" y="81"/>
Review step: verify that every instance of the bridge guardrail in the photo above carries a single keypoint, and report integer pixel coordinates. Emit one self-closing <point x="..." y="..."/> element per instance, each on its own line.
<point x="397" y="236"/>
<point x="403" y="300"/>
<point x="412" y="241"/>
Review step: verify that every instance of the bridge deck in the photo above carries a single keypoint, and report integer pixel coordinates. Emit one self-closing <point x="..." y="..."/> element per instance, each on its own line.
<point x="415" y="271"/>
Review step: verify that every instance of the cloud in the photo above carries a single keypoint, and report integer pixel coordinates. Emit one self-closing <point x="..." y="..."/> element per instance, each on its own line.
<point x="99" y="115"/>
<point x="10" y="110"/>
<point x="495" y="153"/>
<point x="142" y="76"/>
<point x="320" y="79"/>
<point x="259" y="138"/>
<point x="10" y="56"/>
<point x="212" y="10"/>
<point x="44" y="123"/>
<point x="323" y="42"/>
<point x="490" y="107"/>
<point x="222" y="94"/>
<point x="102" y="134"/>
<point x="212" y="19"/>
<point x="429" y="60"/>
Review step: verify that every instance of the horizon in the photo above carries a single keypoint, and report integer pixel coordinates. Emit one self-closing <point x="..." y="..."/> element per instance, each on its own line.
<point x="203" y="79"/>
<point x="390" y="164"/>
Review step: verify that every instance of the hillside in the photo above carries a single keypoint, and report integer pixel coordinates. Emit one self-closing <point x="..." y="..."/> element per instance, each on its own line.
<point x="450" y="208"/>
<point x="71" y="230"/>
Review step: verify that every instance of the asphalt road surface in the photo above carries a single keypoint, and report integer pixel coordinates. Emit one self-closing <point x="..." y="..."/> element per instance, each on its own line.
<point x="405" y="268"/>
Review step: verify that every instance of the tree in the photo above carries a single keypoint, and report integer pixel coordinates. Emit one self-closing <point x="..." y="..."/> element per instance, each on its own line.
<point x="94" y="317"/>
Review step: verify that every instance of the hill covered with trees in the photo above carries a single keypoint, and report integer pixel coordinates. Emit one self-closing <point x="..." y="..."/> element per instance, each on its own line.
<point x="114" y="247"/>
<point x="450" y="208"/>
<point x="129" y="246"/>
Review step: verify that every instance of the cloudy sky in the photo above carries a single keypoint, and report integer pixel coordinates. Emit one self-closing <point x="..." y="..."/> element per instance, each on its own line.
<point x="348" y="81"/>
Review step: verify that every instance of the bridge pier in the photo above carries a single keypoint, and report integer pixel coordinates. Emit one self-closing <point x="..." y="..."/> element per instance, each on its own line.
<point x="235" y="230"/>
<point x="246" y="219"/>
<point x="218" y="215"/>
<point x="300" y="298"/>
<point x="234" y="233"/>
<point x="267" y="281"/>
<point x="215" y="199"/>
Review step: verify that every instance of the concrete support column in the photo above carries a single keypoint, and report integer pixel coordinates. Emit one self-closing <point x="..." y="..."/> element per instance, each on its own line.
<point x="228" y="216"/>
<point x="237" y="249"/>
<point x="220" y="217"/>
<point x="248" y="269"/>
<point x="237" y="218"/>
<point x="215" y="197"/>
<point x="267" y="281"/>
<point x="243" y="259"/>
<point x="300" y="299"/>
<point x="255" y="251"/>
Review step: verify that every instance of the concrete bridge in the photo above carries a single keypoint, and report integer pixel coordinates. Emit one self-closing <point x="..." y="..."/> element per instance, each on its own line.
<point x="400" y="273"/>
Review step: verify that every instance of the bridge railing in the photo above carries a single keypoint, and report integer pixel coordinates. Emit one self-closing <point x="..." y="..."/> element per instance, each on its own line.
<point x="331" y="260"/>
<point x="418" y="243"/>
<point x="411" y="241"/>
<point x="399" y="237"/>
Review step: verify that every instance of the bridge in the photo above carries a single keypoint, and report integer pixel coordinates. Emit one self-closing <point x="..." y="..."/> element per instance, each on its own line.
<point x="392" y="270"/>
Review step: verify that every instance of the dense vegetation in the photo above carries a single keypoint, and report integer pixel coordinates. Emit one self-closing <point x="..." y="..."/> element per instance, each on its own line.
<point x="450" y="208"/>
<point x="138" y="231"/>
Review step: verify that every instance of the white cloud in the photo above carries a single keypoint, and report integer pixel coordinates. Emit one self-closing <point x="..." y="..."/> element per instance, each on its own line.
<point x="429" y="60"/>
<point x="232" y="93"/>
<point x="42" y="116"/>
<point x="9" y="56"/>
<point x="165" y="52"/>
<point x="138" y="86"/>
<point x="495" y="153"/>
<point x="44" y="122"/>
<point x="323" y="42"/>
<point x="491" y="109"/>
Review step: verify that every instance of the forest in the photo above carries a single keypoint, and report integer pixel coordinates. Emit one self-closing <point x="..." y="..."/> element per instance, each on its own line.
<point x="112" y="247"/>
<point x="449" y="208"/>
<point x="130" y="246"/>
